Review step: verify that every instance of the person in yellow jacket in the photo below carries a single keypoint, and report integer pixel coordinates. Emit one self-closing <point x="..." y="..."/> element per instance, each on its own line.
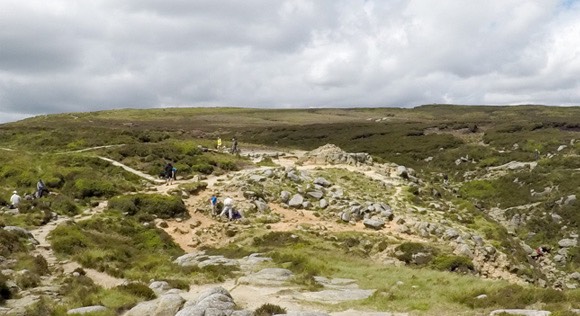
<point x="219" y="143"/>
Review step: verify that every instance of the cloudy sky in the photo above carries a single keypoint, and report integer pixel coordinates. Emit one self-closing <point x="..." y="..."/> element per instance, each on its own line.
<point x="71" y="55"/>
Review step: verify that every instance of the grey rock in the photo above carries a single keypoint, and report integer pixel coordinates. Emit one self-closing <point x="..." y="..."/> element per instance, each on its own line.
<point x="345" y="216"/>
<point x="306" y="205"/>
<point x="374" y="223"/>
<point x="575" y="276"/>
<point x="242" y="313"/>
<point x="200" y="259"/>
<point x="524" y="312"/>
<point x="165" y="305"/>
<point x="335" y="296"/>
<point x="317" y="194"/>
<point x="261" y="206"/>
<point x="570" y="199"/>
<point x="267" y="277"/>
<point x="159" y="287"/>
<point x="402" y="172"/>
<point x="464" y="250"/>
<point x="323" y="203"/>
<point x="19" y="231"/>
<point x="567" y="243"/>
<point x="421" y="258"/>
<point x="451" y="234"/>
<point x="296" y="201"/>
<point x="87" y="309"/>
<point x="285" y="196"/>
<point x="323" y="182"/>
<point x="257" y="178"/>
<point x="302" y="313"/>
<point x="338" y="283"/>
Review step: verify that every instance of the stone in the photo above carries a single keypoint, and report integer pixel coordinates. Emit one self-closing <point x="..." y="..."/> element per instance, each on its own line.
<point x="421" y="258"/>
<point x="200" y="259"/>
<point x="464" y="250"/>
<point x="374" y="223"/>
<point x="345" y="216"/>
<point x="451" y="234"/>
<point x="402" y="172"/>
<point x="317" y="194"/>
<point x="322" y="182"/>
<point x="267" y="277"/>
<point x="285" y="196"/>
<point x="335" y="296"/>
<point x="323" y="203"/>
<point x="570" y="199"/>
<point x="87" y="309"/>
<point x="165" y="305"/>
<point x="261" y="206"/>
<point x="567" y="243"/>
<point x="524" y="312"/>
<point x="159" y="287"/>
<point x="296" y="201"/>
<point x="257" y="178"/>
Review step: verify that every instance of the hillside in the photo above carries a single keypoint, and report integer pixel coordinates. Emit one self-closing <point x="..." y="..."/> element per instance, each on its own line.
<point x="432" y="210"/>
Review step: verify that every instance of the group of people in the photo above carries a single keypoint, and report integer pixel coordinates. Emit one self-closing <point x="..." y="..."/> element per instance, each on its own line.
<point x="228" y="209"/>
<point x="233" y="150"/>
<point x="41" y="191"/>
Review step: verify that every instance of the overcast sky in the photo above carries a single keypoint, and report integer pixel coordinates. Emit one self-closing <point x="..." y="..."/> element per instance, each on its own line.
<point x="71" y="55"/>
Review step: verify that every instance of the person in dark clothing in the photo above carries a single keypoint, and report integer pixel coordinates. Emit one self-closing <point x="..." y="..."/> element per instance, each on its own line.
<point x="168" y="172"/>
<point x="41" y="189"/>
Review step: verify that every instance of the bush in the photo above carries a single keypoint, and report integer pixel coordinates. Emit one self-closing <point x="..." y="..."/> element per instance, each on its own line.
<point x="154" y="204"/>
<point x="405" y="251"/>
<point x="64" y="205"/>
<point x="269" y="310"/>
<point x="193" y="187"/>
<point x="138" y="289"/>
<point x="453" y="264"/>
<point x="5" y="293"/>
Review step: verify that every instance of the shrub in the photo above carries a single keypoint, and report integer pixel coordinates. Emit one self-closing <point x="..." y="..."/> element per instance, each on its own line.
<point x="453" y="264"/>
<point x="138" y="289"/>
<point x="193" y="187"/>
<point x="64" y="205"/>
<point x="269" y="310"/>
<point x="405" y="251"/>
<point x="84" y="188"/>
<point x="154" y="204"/>
<point x="5" y="292"/>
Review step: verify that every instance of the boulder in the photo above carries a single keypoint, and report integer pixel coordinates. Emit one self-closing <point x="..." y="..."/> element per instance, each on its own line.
<point x="567" y="243"/>
<point x="524" y="312"/>
<point x="317" y="194"/>
<point x="296" y="201"/>
<point x="322" y="182"/>
<point x="285" y="196"/>
<point x="159" y="287"/>
<point x="165" y="305"/>
<point x="261" y="206"/>
<point x="402" y="172"/>
<point x="374" y="223"/>
<point x="87" y="310"/>
<point x="200" y="259"/>
<point x="323" y="203"/>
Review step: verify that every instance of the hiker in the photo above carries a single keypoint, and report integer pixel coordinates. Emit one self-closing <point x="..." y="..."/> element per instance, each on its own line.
<point x="234" y="145"/>
<point x="15" y="200"/>
<point x="41" y="189"/>
<point x="229" y="210"/>
<point x="168" y="172"/>
<point x="219" y="143"/>
<point x="213" y="202"/>
<point x="540" y="252"/>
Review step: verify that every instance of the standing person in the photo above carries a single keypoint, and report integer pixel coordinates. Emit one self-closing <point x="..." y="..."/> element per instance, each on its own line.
<point x="213" y="201"/>
<point x="219" y="143"/>
<point x="15" y="200"/>
<point x="173" y="174"/>
<point x="168" y="172"/>
<point x="40" y="189"/>
<point x="234" y="145"/>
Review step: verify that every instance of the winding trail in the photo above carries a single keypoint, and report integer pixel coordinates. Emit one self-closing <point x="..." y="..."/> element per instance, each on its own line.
<point x="133" y="171"/>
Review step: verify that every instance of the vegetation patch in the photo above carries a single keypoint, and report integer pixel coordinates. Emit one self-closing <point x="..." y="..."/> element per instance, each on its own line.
<point x="162" y="206"/>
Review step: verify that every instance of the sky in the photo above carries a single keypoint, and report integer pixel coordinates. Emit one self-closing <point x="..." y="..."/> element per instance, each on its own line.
<point x="75" y="56"/>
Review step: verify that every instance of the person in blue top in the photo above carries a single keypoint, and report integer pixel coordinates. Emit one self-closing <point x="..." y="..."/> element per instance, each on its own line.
<point x="214" y="201"/>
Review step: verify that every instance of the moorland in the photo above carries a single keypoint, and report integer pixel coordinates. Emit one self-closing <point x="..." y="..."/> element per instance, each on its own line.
<point x="437" y="209"/>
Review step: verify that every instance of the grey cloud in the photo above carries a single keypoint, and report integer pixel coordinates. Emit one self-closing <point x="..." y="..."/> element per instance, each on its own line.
<point x="65" y="56"/>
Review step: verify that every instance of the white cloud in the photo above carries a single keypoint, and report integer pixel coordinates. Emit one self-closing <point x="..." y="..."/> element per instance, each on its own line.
<point x="63" y="55"/>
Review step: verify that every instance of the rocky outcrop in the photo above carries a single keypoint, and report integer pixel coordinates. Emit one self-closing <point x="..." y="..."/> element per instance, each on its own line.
<point x="332" y="154"/>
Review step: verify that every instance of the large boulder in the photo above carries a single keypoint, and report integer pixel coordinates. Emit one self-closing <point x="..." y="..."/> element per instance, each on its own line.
<point x="296" y="201"/>
<point x="214" y="301"/>
<point x="524" y="312"/>
<point x="87" y="310"/>
<point x="374" y="223"/>
<point x="201" y="260"/>
<point x="165" y="305"/>
<point x="285" y="196"/>
<point x="322" y="182"/>
<point x="567" y="243"/>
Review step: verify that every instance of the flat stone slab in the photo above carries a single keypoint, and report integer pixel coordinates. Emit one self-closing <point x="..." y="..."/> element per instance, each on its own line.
<point x="200" y="259"/>
<point x="337" y="283"/>
<point x="352" y="312"/>
<point x="87" y="309"/>
<point x="335" y="296"/>
<point x="267" y="277"/>
<point x="524" y="312"/>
